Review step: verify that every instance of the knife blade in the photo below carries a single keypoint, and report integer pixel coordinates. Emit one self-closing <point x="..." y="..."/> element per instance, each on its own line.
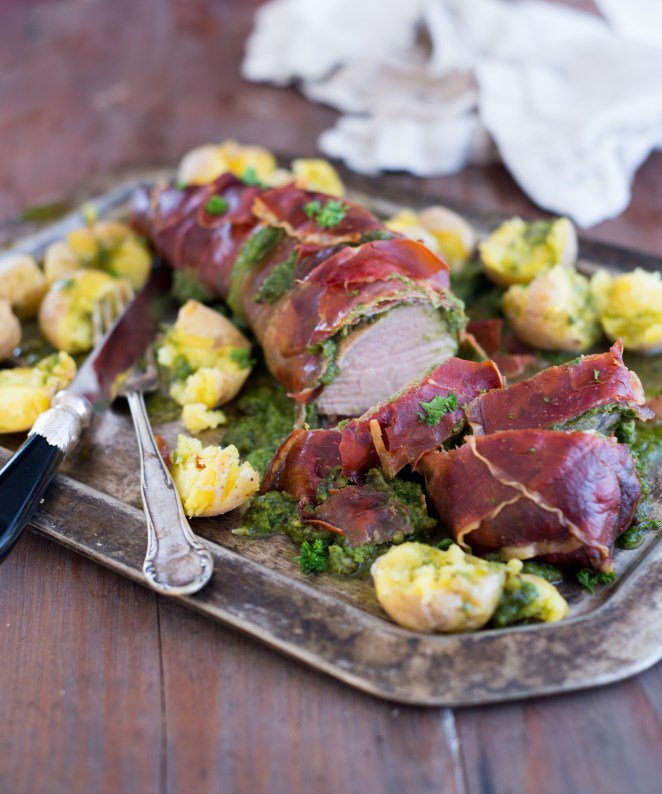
<point x="27" y="475"/>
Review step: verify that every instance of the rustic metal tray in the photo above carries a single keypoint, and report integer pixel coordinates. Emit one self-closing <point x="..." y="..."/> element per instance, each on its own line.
<point x="332" y="624"/>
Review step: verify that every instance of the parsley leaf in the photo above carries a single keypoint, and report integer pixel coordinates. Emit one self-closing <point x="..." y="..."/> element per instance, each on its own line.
<point x="217" y="205"/>
<point x="327" y="215"/>
<point x="438" y="406"/>
<point x="250" y="177"/>
<point x="242" y="357"/>
<point x="590" y="579"/>
<point x="314" y="557"/>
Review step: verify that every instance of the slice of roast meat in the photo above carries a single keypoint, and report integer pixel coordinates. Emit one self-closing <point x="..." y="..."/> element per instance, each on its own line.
<point x="561" y="497"/>
<point x="419" y="419"/>
<point x="591" y="393"/>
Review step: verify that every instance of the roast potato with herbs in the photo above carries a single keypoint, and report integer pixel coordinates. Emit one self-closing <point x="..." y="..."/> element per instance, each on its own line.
<point x="203" y="164"/>
<point x="10" y="330"/>
<point x="554" y="312"/>
<point x="211" y="480"/>
<point x="206" y="355"/>
<point x="518" y="251"/>
<point x="22" y="283"/>
<point x="65" y="314"/>
<point x="630" y="307"/>
<point x="26" y="392"/>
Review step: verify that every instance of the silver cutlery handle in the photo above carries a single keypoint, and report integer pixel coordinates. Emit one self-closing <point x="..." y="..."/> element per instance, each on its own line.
<point x="176" y="562"/>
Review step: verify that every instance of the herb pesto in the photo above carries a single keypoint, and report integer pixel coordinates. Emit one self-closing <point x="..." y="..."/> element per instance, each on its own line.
<point x="278" y="282"/>
<point x="252" y="253"/>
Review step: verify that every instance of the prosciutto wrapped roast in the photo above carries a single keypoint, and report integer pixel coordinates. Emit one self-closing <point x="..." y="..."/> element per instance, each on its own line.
<point x="562" y="497"/>
<point x="346" y="312"/>
<point x="591" y="393"/>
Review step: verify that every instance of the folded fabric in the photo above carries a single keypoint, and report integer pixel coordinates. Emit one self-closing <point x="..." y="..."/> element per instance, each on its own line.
<point x="429" y="86"/>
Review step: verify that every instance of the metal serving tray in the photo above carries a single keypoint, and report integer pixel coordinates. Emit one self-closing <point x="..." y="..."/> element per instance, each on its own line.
<point x="332" y="624"/>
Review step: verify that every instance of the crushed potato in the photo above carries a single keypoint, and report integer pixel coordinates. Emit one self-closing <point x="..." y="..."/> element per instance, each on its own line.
<point x="22" y="283"/>
<point x="197" y="417"/>
<point x="26" y="392"/>
<point x="426" y="589"/>
<point x="441" y="229"/>
<point x="630" y="307"/>
<point x="318" y="175"/>
<point x="204" y="164"/>
<point x="110" y="246"/>
<point x="517" y="251"/>
<point x="211" y="480"/>
<point x="409" y="224"/>
<point x="206" y="355"/>
<point x="10" y="330"/>
<point x="65" y="314"/>
<point x="554" y="312"/>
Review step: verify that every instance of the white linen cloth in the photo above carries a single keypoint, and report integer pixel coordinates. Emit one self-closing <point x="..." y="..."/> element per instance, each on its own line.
<point x="427" y="86"/>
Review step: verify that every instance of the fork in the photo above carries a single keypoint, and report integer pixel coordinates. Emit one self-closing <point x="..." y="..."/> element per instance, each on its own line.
<point x="176" y="563"/>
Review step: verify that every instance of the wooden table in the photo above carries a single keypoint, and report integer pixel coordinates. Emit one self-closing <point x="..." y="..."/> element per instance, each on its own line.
<point x="106" y="687"/>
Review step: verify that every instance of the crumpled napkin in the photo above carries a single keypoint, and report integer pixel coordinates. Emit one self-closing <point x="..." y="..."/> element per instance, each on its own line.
<point x="572" y="105"/>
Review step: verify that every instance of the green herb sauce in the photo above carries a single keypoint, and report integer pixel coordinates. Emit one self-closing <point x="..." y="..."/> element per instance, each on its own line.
<point x="186" y="286"/>
<point x="252" y="253"/>
<point x="278" y="282"/>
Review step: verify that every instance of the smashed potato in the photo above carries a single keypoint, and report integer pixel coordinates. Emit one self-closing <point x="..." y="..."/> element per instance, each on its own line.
<point x="206" y="355"/>
<point x="211" y="480"/>
<point x="317" y="175"/>
<point x="26" y="392"/>
<point x="197" y="417"/>
<point x="113" y="247"/>
<point x="409" y="224"/>
<point x="554" y="312"/>
<point x="204" y="164"/>
<point x="10" y="330"/>
<point x="517" y="251"/>
<point x="60" y="261"/>
<point x="426" y="589"/>
<point x="527" y="597"/>
<point x="65" y="314"/>
<point x="442" y="230"/>
<point x="22" y="284"/>
<point x="630" y="307"/>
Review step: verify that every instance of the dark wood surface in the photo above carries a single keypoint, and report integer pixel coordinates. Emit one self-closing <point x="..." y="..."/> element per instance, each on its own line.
<point x="106" y="687"/>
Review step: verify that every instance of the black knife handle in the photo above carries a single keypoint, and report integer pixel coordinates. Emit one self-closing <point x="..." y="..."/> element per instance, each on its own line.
<point x="23" y="481"/>
<point x="26" y="476"/>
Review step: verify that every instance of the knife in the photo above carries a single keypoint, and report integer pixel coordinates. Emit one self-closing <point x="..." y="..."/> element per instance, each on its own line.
<point x="27" y="475"/>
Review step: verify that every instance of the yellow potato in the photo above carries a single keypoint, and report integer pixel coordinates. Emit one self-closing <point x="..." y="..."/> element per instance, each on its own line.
<point x="197" y="417"/>
<point x="10" y="330"/>
<point x="22" y="283"/>
<point x="426" y="589"/>
<point x="517" y="251"/>
<point x="409" y="224"/>
<point x="204" y="164"/>
<point x="60" y="261"/>
<point x="317" y="175"/>
<point x="455" y="238"/>
<point x="630" y="307"/>
<point x="554" y="312"/>
<point x="113" y="247"/>
<point x="206" y="355"/>
<point x="527" y="597"/>
<point x="26" y="392"/>
<point x="211" y="480"/>
<point x="65" y="315"/>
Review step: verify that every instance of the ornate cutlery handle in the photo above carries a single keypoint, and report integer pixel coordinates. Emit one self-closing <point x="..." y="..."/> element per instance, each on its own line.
<point x="176" y="562"/>
<point x="25" y="477"/>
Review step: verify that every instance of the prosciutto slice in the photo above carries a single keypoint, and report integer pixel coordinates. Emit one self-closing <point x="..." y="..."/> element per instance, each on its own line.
<point x="334" y="283"/>
<point x="562" y="396"/>
<point x="399" y="431"/>
<point x="562" y="497"/>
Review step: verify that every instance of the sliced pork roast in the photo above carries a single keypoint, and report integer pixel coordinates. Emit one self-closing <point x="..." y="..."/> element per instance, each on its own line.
<point x="346" y="312"/>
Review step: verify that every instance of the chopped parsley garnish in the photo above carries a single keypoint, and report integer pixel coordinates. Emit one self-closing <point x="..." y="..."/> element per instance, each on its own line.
<point x="328" y="215"/>
<point x="314" y="557"/>
<point x="438" y="407"/>
<point x="589" y="578"/>
<point x="187" y="286"/>
<point x="545" y="570"/>
<point x="217" y="205"/>
<point x="596" y="376"/>
<point x="242" y="357"/>
<point x="532" y="450"/>
<point x="250" y="177"/>
<point x="278" y="282"/>
<point x="445" y="544"/>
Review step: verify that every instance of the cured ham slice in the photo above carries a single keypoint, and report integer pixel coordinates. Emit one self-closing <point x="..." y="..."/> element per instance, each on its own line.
<point x="485" y="337"/>
<point x="589" y="394"/>
<point x="318" y="293"/>
<point x="562" y="497"/>
<point x="401" y="430"/>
